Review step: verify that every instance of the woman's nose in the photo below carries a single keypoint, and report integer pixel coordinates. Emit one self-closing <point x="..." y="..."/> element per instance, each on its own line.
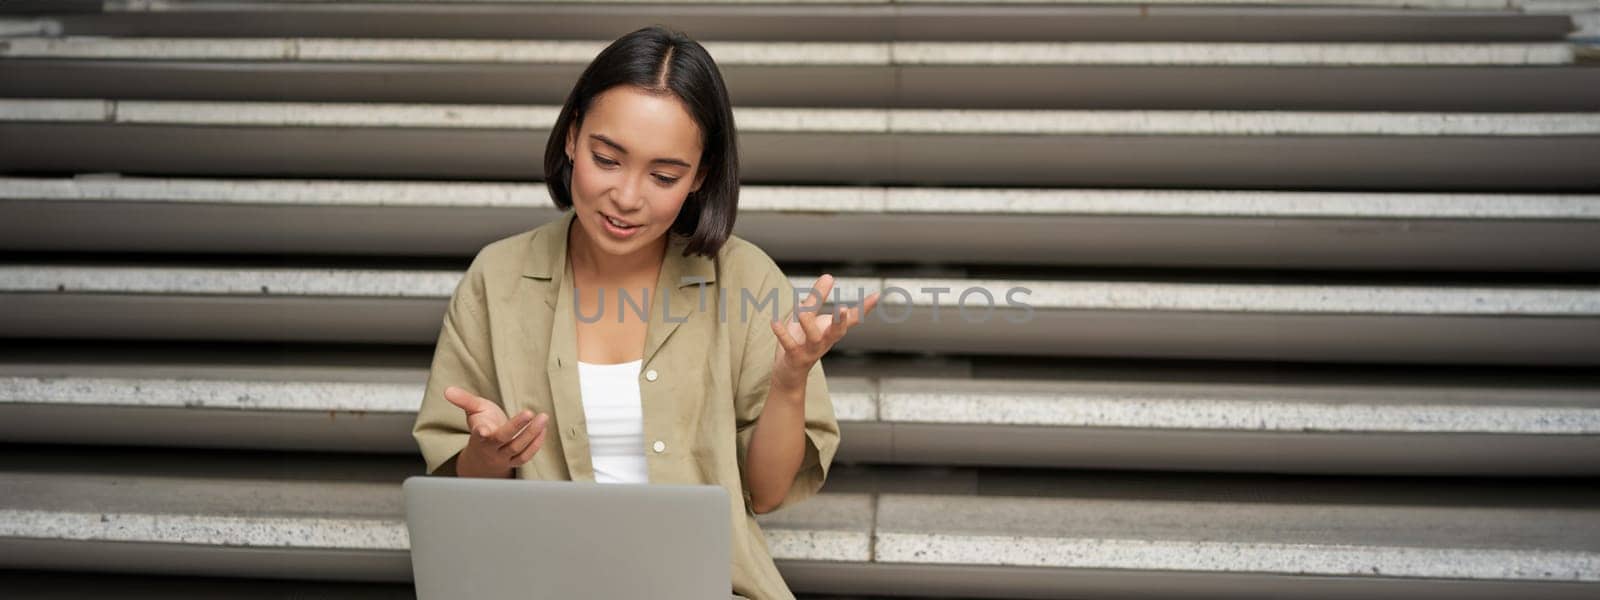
<point x="629" y="198"/>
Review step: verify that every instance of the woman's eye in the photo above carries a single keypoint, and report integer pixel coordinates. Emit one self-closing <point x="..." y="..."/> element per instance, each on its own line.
<point x="606" y="162"/>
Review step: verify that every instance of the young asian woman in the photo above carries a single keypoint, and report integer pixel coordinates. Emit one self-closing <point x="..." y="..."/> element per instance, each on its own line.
<point x="708" y="373"/>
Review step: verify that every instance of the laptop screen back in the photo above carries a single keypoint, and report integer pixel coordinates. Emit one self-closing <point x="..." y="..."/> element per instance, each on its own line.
<point x="508" y="538"/>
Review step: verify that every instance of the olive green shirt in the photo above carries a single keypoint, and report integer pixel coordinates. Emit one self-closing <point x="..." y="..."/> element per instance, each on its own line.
<point x="509" y="335"/>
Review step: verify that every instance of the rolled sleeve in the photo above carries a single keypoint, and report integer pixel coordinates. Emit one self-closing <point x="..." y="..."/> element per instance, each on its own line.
<point x="461" y="358"/>
<point x="755" y="378"/>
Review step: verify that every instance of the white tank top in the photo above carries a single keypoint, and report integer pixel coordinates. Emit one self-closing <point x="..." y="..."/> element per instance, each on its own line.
<point x="615" y="417"/>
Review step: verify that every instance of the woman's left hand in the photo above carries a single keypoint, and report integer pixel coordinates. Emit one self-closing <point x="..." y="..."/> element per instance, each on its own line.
<point x="810" y="333"/>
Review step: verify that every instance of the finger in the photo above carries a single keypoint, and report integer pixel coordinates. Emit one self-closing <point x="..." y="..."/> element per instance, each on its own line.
<point x="813" y="307"/>
<point x="840" y="325"/>
<point x="851" y="316"/>
<point x="784" y="339"/>
<point x="809" y="328"/>
<point x="846" y="317"/>
<point x="513" y="427"/>
<point x="826" y="324"/>
<point x="525" y="437"/>
<point x="819" y="291"/>
<point x="520" y="439"/>
<point x="871" y="302"/>
<point x="477" y="407"/>
<point x="532" y="449"/>
<point x="463" y="399"/>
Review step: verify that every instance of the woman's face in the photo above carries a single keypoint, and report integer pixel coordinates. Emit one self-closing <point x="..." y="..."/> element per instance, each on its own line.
<point x="634" y="160"/>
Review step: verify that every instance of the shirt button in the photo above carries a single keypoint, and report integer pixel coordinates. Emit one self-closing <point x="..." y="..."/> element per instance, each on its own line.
<point x="650" y="376"/>
<point x="660" y="446"/>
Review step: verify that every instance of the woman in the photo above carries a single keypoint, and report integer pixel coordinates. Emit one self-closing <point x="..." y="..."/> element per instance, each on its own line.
<point x="621" y="335"/>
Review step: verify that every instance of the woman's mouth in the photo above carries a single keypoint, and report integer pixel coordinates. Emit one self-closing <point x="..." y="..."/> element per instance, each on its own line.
<point x="618" y="228"/>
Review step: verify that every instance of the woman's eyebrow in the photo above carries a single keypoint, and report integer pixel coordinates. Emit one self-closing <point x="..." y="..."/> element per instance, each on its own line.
<point x="608" y="141"/>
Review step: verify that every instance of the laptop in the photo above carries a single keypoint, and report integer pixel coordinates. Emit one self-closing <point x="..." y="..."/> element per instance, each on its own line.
<point x="526" y="539"/>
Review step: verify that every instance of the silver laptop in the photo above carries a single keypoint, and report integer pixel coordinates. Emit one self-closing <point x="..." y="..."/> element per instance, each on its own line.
<point x="510" y="538"/>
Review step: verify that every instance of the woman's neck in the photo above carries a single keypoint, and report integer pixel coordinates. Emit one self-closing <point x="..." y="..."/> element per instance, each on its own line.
<point x="606" y="270"/>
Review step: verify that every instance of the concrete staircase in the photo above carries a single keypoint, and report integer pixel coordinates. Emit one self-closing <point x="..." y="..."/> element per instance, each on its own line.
<point x="1314" y="307"/>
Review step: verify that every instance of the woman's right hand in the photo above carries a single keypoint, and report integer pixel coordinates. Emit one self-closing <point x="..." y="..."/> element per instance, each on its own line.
<point x="497" y="444"/>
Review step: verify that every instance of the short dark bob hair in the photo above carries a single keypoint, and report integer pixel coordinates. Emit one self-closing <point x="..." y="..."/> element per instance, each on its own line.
<point x="658" y="60"/>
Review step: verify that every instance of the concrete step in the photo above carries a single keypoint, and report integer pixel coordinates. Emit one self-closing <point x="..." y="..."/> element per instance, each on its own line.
<point x="891" y="410"/>
<point x="1212" y="149"/>
<point x="850" y="20"/>
<point x="889" y="53"/>
<point x="1023" y="535"/>
<point x="1496" y="76"/>
<point x="302" y="518"/>
<point x="1084" y="227"/>
<point x="1198" y="549"/>
<point x="1409" y="322"/>
<point x="37" y="585"/>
